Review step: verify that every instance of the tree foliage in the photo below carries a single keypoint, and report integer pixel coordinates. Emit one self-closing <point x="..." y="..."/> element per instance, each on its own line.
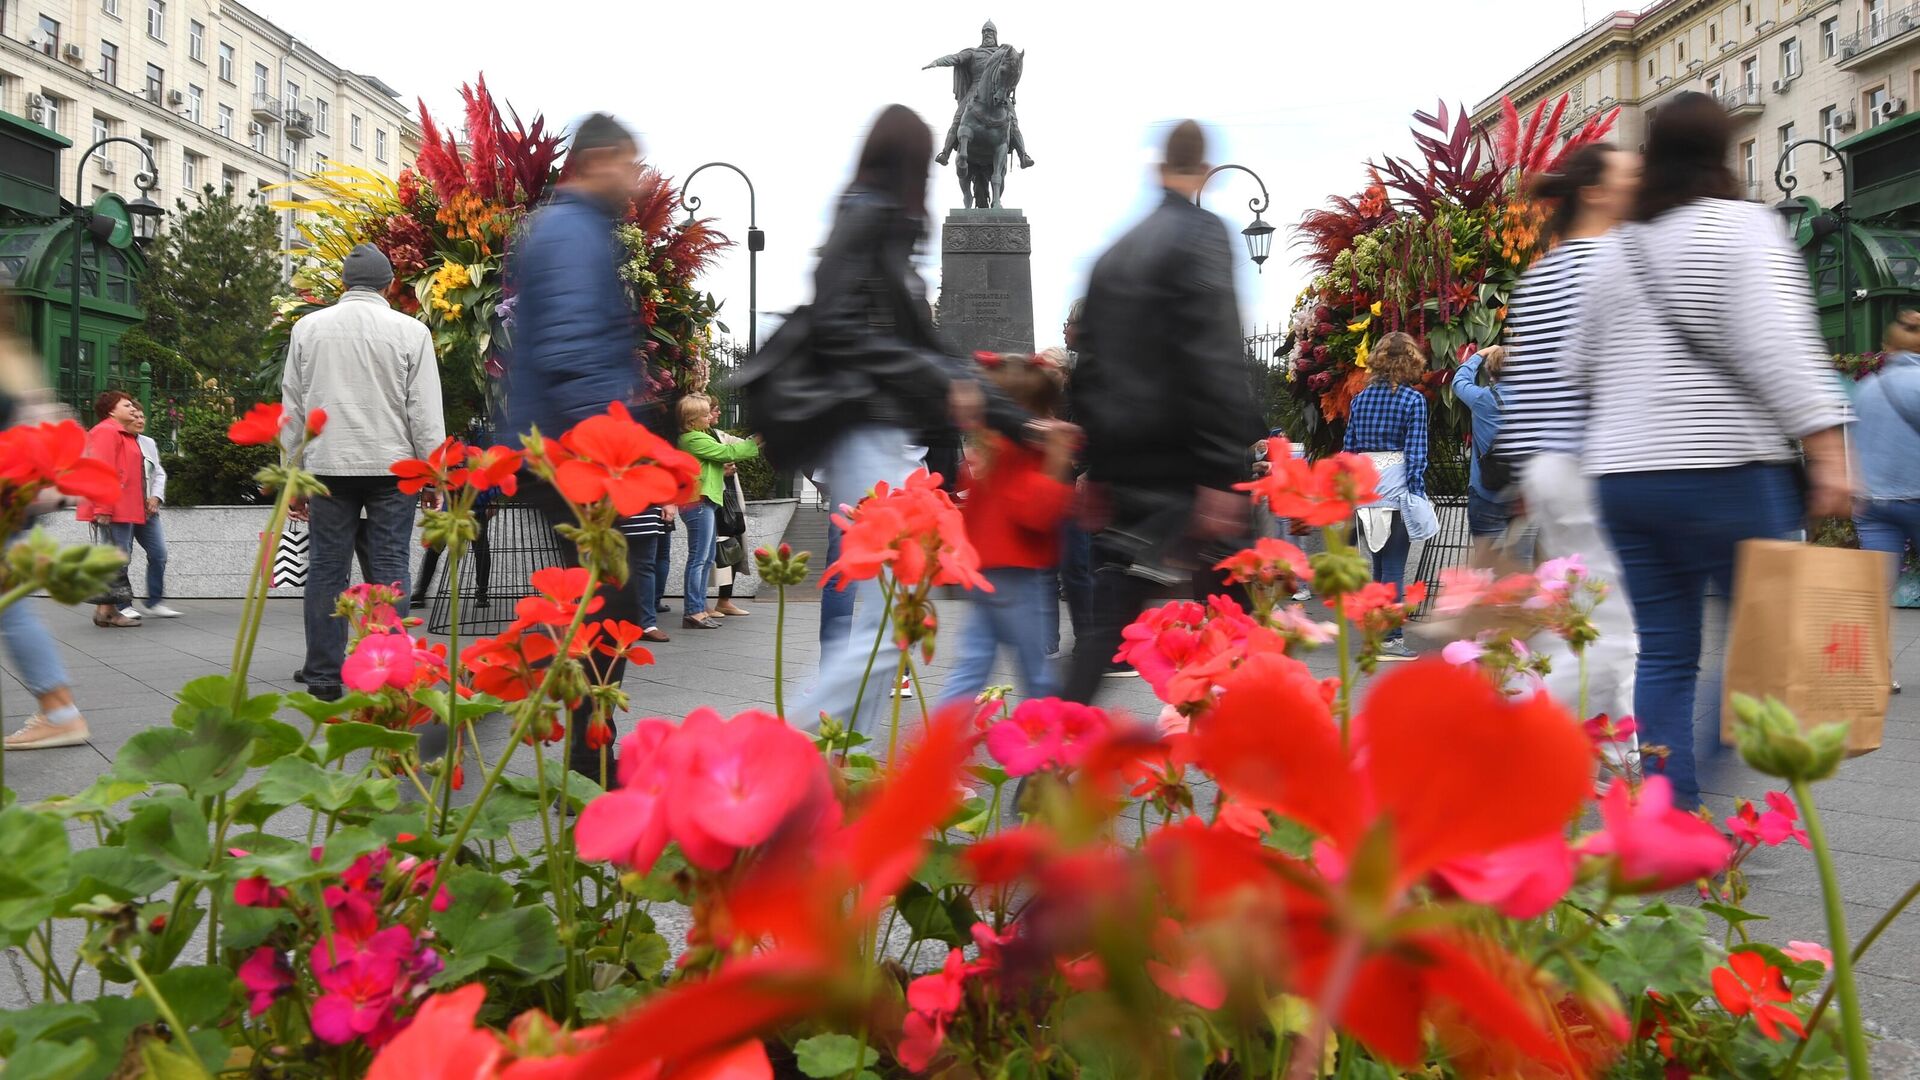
<point x="210" y="282"/>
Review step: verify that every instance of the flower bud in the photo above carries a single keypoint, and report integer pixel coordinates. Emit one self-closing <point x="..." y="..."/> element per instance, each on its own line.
<point x="1336" y="573"/>
<point x="568" y="682"/>
<point x="1772" y="740"/>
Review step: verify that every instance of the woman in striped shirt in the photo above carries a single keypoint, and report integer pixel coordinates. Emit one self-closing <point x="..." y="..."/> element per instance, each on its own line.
<point x="1699" y="358"/>
<point x="1545" y="418"/>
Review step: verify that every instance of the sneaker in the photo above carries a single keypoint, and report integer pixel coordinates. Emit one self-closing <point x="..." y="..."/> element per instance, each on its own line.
<point x="905" y="689"/>
<point x="1121" y="671"/>
<point x="39" y="733"/>
<point x="162" y="611"/>
<point x="130" y="612"/>
<point x="1303" y="596"/>
<point x="1395" y="650"/>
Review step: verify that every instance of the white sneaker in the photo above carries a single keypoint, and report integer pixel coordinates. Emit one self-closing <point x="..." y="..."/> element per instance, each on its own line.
<point x="130" y="612"/>
<point x="1395" y="650"/>
<point x="905" y="689"/>
<point x="162" y="611"/>
<point x="1303" y="596"/>
<point x="43" y="734"/>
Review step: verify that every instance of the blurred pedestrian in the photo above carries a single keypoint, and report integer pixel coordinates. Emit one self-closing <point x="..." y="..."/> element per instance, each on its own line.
<point x="696" y="438"/>
<point x="1016" y="498"/>
<point x="1887" y="514"/>
<point x="33" y="657"/>
<point x="113" y="440"/>
<point x="575" y="339"/>
<point x="147" y="534"/>
<point x="836" y="605"/>
<point x="1700" y="358"/>
<point x="871" y="325"/>
<point x="1389" y="425"/>
<point x="1161" y="390"/>
<point x="1076" y="544"/>
<point x="1544" y="421"/>
<point x="375" y="373"/>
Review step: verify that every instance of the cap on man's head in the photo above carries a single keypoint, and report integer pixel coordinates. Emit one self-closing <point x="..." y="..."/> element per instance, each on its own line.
<point x="366" y="267"/>
<point x="600" y="132"/>
<point x="1186" y="149"/>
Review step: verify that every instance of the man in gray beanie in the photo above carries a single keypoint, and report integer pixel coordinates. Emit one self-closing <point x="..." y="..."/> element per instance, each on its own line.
<point x="374" y="372"/>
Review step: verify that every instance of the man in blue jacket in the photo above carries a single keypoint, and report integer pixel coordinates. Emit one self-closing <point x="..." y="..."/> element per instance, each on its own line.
<point x="574" y="336"/>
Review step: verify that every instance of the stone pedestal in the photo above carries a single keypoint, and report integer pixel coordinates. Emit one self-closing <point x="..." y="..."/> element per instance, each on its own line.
<point x="986" y="280"/>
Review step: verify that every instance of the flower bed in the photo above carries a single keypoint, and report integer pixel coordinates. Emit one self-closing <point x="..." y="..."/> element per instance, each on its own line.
<point x="1283" y="875"/>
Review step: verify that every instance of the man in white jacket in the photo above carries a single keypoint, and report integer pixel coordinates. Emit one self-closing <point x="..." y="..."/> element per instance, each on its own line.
<point x="374" y="372"/>
<point x="148" y="534"/>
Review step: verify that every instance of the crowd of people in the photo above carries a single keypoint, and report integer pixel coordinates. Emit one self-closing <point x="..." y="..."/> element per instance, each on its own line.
<point x="1625" y="419"/>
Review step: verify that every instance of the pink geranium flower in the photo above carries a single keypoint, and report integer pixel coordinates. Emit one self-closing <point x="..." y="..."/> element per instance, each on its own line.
<point x="1802" y="951"/>
<point x="1464" y="652"/>
<point x="1045" y="733"/>
<point x="1521" y="882"/>
<point x="1605" y="729"/>
<point x="378" y="661"/>
<point x="266" y="976"/>
<point x="1653" y="845"/>
<point x="258" y="892"/>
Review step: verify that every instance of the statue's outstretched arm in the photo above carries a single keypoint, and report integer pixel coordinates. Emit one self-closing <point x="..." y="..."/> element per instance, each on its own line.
<point x="950" y="60"/>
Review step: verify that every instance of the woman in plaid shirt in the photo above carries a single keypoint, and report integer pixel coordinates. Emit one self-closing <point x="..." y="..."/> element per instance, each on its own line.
<point x="1389" y="425"/>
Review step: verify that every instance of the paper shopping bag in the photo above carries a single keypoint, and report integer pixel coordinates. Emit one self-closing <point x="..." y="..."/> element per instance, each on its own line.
<point x="1809" y="626"/>
<point x="290" y="558"/>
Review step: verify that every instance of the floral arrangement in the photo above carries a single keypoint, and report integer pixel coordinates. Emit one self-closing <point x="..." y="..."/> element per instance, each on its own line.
<point x="1281" y="875"/>
<point x="447" y="222"/>
<point x="1432" y="248"/>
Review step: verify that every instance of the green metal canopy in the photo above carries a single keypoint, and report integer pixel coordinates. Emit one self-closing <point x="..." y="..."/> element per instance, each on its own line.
<point x="1883" y="269"/>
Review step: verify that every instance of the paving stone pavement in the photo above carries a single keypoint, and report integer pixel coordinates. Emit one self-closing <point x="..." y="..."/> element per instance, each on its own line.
<point x="126" y="680"/>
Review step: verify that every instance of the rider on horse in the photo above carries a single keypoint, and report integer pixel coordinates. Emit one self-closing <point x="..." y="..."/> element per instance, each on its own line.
<point x="968" y="65"/>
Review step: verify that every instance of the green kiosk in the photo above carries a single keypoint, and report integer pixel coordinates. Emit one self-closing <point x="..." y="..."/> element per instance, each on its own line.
<point x="37" y="235"/>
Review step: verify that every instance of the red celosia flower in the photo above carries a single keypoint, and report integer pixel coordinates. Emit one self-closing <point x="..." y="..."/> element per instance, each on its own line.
<point x="1747" y="985"/>
<point x="914" y="530"/>
<point x="417" y="475"/>
<point x="616" y="458"/>
<point x="1377" y="605"/>
<point x="261" y="425"/>
<point x="1268" y="562"/>
<point x="616" y="638"/>
<point x="1166" y="640"/>
<point x="1654" y="846"/>
<point x="1318" y="493"/>
<point x="494" y="467"/>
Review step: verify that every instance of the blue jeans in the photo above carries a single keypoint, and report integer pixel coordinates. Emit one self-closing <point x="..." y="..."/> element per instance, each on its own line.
<point x="1487" y="517"/>
<point x="698" y="518"/>
<point x="643" y="575"/>
<point x="1390" y="562"/>
<point x="1013" y="614"/>
<point x="1888" y="525"/>
<point x="662" y="568"/>
<point x="154" y="543"/>
<point x="333" y="521"/>
<point x="1675" y="532"/>
<point x="36" y="662"/>
<point x="857" y="460"/>
<point x="836" y="605"/>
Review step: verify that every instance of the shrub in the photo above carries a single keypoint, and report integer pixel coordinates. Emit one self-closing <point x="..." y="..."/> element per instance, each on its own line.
<point x="204" y="468"/>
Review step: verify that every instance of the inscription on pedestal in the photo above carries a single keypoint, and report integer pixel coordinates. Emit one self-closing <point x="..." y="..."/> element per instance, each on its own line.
<point x="986" y="280"/>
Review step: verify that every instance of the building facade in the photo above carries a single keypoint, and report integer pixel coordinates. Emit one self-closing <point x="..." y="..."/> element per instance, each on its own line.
<point x="219" y="95"/>
<point x="1786" y="69"/>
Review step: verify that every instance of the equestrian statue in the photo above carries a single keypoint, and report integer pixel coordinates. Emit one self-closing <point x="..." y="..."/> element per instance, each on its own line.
<point x="985" y="127"/>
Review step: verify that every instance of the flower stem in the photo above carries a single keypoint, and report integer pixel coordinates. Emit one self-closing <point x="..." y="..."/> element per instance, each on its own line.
<point x="1859" y="950"/>
<point x="779" y="640"/>
<point x="166" y="1010"/>
<point x="1853" y="1036"/>
<point x="443" y="784"/>
<point x="873" y="654"/>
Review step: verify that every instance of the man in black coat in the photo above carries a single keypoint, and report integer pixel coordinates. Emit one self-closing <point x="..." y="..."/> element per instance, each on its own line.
<point x="1161" y="389"/>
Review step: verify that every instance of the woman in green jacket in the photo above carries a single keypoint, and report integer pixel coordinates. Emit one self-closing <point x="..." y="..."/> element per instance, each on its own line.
<point x="696" y="416"/>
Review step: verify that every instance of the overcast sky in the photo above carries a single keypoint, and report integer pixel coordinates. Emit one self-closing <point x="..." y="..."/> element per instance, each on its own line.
<point x="1301" y="93"/>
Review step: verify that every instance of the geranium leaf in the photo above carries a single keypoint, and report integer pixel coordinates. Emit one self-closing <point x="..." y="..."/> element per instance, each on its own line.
<point x="206" y="760"/>
<point x="197" y="994"/>
<point x="825" y="1057"/>
<point x="609" y="1003"/>
<point x="297" y="780"/>
<point x="100" y="796"/>
<point x="33" y="855"/>
<point x="1734" y="916"/>
<point x="345" y="738"/>
<point x="484" y="931"/>
<point x="172" y="832"/>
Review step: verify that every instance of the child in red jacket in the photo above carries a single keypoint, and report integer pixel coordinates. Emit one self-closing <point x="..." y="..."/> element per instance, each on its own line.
<point x="1015" y="501"/>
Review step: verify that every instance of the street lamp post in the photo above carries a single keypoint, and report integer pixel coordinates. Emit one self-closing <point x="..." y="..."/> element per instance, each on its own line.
<point x="143" y="207"/>
<point x="756" y="241"/>
<point x="1259" y="234"/>
<point x="1839" y="222"/>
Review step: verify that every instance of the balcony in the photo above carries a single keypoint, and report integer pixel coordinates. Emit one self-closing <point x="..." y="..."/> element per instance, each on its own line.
<point x="1878" y="37"/>
<point x="1743" y="100"/>
<point x="266" y="109"/>
<point x="299" y="122"/>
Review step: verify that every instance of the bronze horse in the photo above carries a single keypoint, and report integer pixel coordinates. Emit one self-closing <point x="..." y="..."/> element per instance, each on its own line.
<point x="981" y="162"/>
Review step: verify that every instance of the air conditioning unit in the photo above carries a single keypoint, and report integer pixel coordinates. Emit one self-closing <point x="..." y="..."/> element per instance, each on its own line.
<point x="175" y="97"/>
<point x="107" y="166"/>
<point x="1889" y="109"/>
<point x="74" y="54"/>
<point x="1781" y="86"/>
<point x="37" y="43"/>
<point x="1844" y="120"/>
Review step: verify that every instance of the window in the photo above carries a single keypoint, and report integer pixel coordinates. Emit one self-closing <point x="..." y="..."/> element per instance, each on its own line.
<point x="258" y="136"/>
<point x="1713" y="32"/>
<point x="293" y="95"/>
<point x="50" y="112"/>
<point x="223" y="122"/>
<point x="49" y="36"/>
<point x="353" y="131"/>
<point x="231" y="181"/>
<point x="1787" y="136"/>
<point x="287" y="152"/>
<point x="226" y="63"/>
<point x="1790" y="58"/>
<point x="157" y="19"/>
<point x="259" y="80"/>
<point x="1876" y="17"/>
<point x="196" y="42"/>
<point x="196" y="101"/>
<point x="111" y="7"/>
<point x="1829" y="37"/>
<point x="156" y="83"/>
<point x="189" y="173"/>
<point x="1874" y="99"/>
<point x="1750" y="72"/>
<point x="321" y="123"/>
<point x="1829" y="129"/>
<point x="1651" y="61"/>
<point x="1680" y="52"/>
<point x="379" y="146"/>
<point x="101" y="132"/>
<point x="1749" y="15"/>
<point x="1750" y="165"/>
<point x="110" y="63"/>
<point x="153" y="151"/>
<point x="319" y="163"/>
<point x="1716" y="86"/>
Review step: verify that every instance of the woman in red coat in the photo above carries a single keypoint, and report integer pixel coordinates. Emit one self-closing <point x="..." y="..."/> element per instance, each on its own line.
<point x="113" y="440"/>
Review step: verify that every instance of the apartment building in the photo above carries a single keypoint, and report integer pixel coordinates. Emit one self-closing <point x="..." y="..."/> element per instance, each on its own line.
<point x="216" y="92"/>
<point x="1786" y="69"/>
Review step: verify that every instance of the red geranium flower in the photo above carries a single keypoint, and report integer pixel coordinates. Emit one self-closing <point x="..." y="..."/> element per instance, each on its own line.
<point x="316" y="422"/>
<point x="614" y="457"/>
<point x="1268" y="562"/>
<point x="558" y="593"/>
<point x="1318" y="493"/>
<point x="55" y="454"/>
<point x="1654" y="845"/>
<point x="261" y="425"/>
<point x="914" y="530"/>
<point x="1748" y="985"/>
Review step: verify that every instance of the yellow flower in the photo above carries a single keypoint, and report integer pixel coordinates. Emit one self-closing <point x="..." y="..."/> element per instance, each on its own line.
<point x="1376" y="307"/>
<point x="1361" y="323"/>
<point x="1360" y="355"/>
